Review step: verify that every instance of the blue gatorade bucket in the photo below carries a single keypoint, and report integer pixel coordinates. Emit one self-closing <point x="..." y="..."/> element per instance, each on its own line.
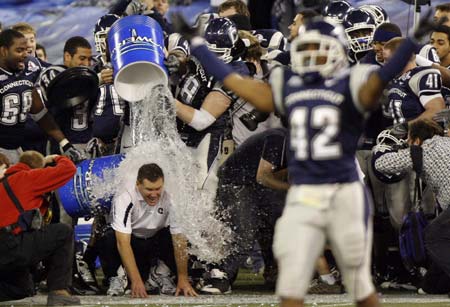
<point x="76" y="195"/>
<point x="136" y="46"/>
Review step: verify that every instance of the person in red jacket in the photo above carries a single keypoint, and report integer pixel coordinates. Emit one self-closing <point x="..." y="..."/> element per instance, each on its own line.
<point x="22" y="248"/>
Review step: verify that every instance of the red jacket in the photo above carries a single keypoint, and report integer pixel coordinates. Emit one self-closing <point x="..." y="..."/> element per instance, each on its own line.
<point x="30" y="185"/>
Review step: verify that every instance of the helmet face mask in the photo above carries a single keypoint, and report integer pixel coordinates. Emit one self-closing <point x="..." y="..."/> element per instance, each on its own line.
<point x="222" y="53"/>
<point x="101" y="31"/>
<point x="315" y="52"/>
<point x="360" y="37"/>
<point x="100" y="41"/>
<point x="378" y="13"/>
<point x="359" y="28"/>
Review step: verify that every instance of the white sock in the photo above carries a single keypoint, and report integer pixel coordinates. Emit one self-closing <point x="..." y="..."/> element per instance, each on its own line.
<point x="328" y="278"/>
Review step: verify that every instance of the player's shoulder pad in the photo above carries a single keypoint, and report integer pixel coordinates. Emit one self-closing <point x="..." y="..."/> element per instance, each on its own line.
<point x="430" y="53"/>
<point x="425" y="80"/>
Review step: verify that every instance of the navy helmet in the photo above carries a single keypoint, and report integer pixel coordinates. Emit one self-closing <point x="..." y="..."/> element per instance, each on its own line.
<point x="378" y="13"/>
<point x="101" y="29"/>
<point x="221" y="35"/>
<point x="320" y="39"/>
<point x="335" y="11"/>
<point x="359" y="28"/>
<point x="387" y="142"/>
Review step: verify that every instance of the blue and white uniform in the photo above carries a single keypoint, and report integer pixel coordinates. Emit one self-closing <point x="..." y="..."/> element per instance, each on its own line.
<point x="409" y="93"/>
<point x="326" y="201"/>
<point x="16" y="100"/>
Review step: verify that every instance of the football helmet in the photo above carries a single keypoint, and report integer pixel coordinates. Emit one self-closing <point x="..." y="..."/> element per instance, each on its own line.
<point x="335" y="11"/>
<point x="359" y="27"/>
<point x="378" y="13"/>
<point x="101" y="31"/>
<point x="221" y="35"/>
<point x="387" y="142"/>
<point x="327" y="41"/>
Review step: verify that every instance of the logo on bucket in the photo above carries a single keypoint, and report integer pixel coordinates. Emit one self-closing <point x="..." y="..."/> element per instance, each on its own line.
<point x="136" y="39"/>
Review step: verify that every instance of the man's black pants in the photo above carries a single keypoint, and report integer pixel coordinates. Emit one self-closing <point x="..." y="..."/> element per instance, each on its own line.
<point x="251" y="211"/>
<point x="18" y="253"/>
<point x="145" y="251"/>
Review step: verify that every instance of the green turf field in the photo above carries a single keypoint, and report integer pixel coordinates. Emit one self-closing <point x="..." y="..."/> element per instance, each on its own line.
<point x="248" y="291"/>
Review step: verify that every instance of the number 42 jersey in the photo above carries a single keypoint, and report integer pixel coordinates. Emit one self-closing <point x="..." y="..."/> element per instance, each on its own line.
<point x="325" y="123"/>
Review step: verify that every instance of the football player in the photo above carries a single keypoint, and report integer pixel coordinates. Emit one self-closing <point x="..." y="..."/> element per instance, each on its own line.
<point x="18" y="75"/>
<point x="359" y="28"/>
<point x="202" y="102"/>
<point x="325" y="104"/>
<point x="35" y="138"/>
<point x="109" y="108"/>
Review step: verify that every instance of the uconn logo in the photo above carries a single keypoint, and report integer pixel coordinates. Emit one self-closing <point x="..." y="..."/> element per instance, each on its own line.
<point x="136" y="39"/>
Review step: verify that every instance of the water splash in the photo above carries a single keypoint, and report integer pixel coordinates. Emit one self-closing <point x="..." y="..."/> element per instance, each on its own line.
<point x="156" y="140"/>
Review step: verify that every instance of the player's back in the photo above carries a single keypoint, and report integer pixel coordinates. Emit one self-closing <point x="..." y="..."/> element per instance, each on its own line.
<point x="325" y="125"/>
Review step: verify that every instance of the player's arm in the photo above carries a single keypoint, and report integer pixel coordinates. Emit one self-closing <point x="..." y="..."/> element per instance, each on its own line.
<point x="370" y="90"/>
<point x="427" y="85"/>
<point x="431" y="108"/>
<point x="214" y="105"/>
<point x="270" y="179"/>
<point x="129" y="262"/>
<point x="44" y="119"/>
<point x="256" y="92"/>
<point x="181" y="259"/>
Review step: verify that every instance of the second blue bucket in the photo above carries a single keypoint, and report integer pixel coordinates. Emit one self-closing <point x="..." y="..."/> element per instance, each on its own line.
<point x="136" y="46"/>
<point x="76" y="195"/>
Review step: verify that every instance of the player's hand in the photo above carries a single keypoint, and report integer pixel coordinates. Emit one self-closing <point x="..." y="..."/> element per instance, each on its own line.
<point x="95" y="147"/>
<point x="180" y="25"/>
<point x="106" y="76"/>
<point x="172" y="63"/>
<point x="442" y="116"/>
<point x="135" y="7"/>
<point x="138" y="290"/>
<point x="184" y="286"/>
<point x="74" y="154"/>
<point x="2" y="170"/>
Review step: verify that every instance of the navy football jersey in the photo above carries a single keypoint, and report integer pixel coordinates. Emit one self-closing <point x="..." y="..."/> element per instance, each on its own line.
<point x="108" y="112"/>
<point x="409" y="93"/>
<point x="192" y="91"/>
<point x="270" y="39"/>
<point x="325" y="123"/>
<point x="16" y="99"/>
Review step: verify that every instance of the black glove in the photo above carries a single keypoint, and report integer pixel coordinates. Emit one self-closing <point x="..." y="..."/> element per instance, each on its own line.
<point x="172" y="63"/>
<point x="180" y="25"/>
<point x="74" y="154"/>
<point x="135" y="7"/>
